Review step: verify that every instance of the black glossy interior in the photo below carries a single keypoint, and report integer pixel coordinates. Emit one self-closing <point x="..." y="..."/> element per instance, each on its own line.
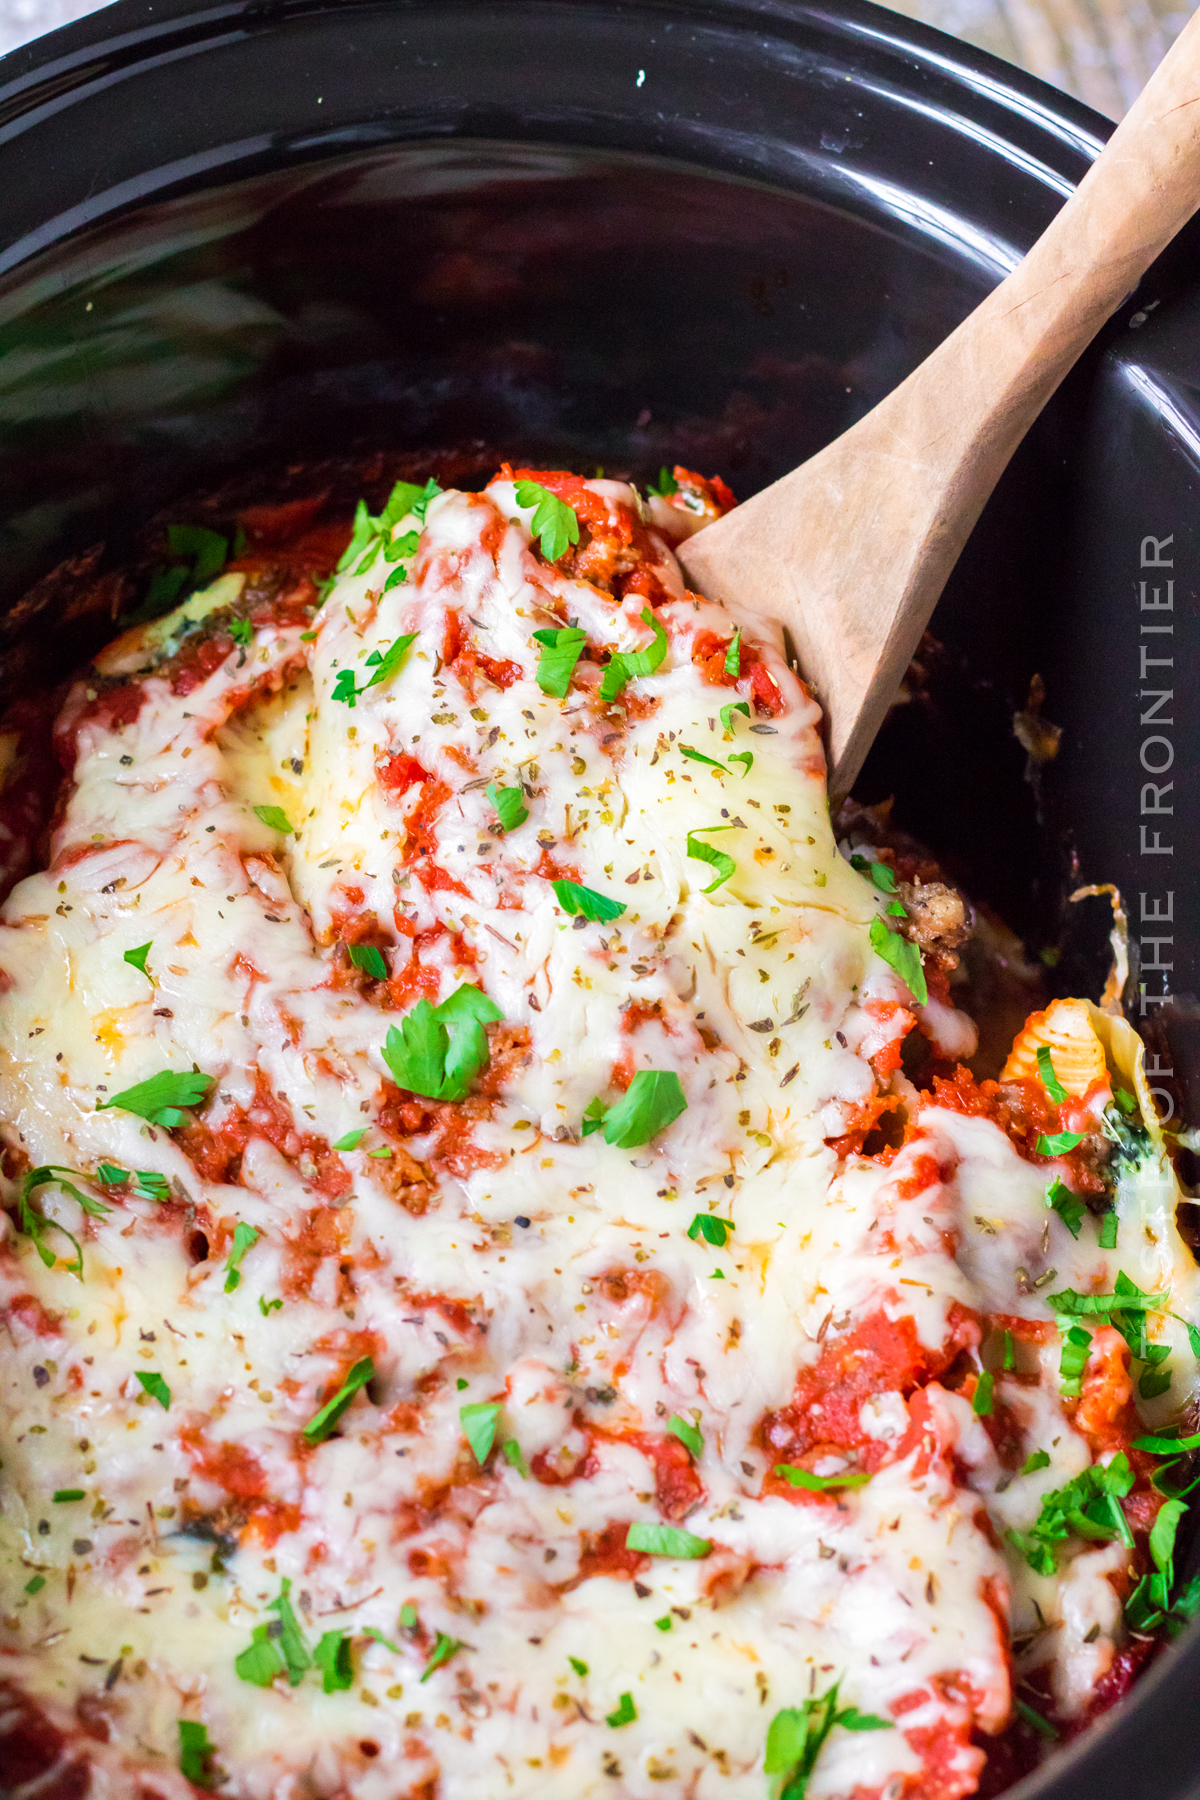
<point x="601" y="232"/>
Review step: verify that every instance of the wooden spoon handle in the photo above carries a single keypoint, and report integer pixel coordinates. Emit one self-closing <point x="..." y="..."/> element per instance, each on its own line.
<point x="851" y="551"/>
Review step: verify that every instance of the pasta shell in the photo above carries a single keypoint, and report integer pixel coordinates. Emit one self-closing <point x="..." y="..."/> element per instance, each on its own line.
<point x="1075" y="1050"/>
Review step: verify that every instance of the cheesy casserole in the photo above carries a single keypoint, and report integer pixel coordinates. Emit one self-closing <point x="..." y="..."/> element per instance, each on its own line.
<point x="511" y="1290"/>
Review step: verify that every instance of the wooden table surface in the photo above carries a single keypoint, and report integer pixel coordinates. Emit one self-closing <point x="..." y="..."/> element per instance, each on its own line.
<point x="1100" y="50"/>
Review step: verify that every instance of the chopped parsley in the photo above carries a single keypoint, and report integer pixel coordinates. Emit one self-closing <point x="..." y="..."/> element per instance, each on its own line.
<point x="1087" y="1507"/>
<point x="323" y="1422"/>
<point x="561" y="650"/>
<point x="580" y="1668"/>
<point x="278" y="1648"/>
<point x="208" y="549"/>
<point x="820" y="1484"/>
<point x="35" y="1584"/>
<point x="1069" y="1207"/>
<point x="370" y="534"/>
<point x="351" y="1140"/>
<point x="345" y="688"/>
<point x="651" y="1102"/>
<point x="713" y="1230"/>
<point x="137" y="959"/>
<point x="275" y="819"/>
<point x="1125" y="1308"/>
<point x="624" y="1713"/>
<point x="798" y="1734"/>
<point x="667" y="484"/>
<point x="1050" y="1081"/>
<point x="62" y="1496"/>
<point x="624" y="665"/>
<point x="332" y="1658"/>
<point x="699" y="756"/>
<point x="153" y="1384"/>
<point x="439" y="1050"/>
<point x="242" y="632"/>
<point x="1106" y="1236"/>
<point x="1031" y="1716"/>
<point x="510" y="806"/>
<point x="666" y="1540"/>
<point x="733" y="654"/>
<point x="1059" y="1144"/>
<point x="554" y="522"/>
<point x="1073" y="1359"/>
<point x="33" y="1223"/>
<point x="576" y="899"/>
<point x="267" y="1307"/>
<point x="443" y="1649"/>
<point x="244" y="1238"/>
<point x="902" y="956"/>
<point x="728" y="710"/>
<point x="160" y="1098"/>
<point x="881" y="873"/>
<point x="196" y="1754"/>
<point x="514" y="1456"/>
<point x="479" y="1421"/>
<point x="1037" y="1459"/>
<point x="392" y="659"/>
<point x="982" y="1400"/>
<point x="369" y="960"/>
<point x="708" y="853"/>
<point x="663" y="1624"/>
<point x="689" y="1435"/>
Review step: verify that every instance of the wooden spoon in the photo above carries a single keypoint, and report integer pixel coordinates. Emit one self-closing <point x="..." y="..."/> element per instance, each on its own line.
<point x="851" y="551"/>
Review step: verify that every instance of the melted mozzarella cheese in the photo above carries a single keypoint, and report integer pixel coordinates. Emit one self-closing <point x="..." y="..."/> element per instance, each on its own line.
<point x="509" y="1259"/>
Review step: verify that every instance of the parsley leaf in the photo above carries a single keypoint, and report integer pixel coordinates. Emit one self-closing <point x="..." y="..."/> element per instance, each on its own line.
<point x="733" y="654"/>
<point x="716" y="859"/>
<point x="728" y="710"/>
<point x="386" y="665"/>
<point x="651" y="1102"/>
<point x="1031" y="1716"/>
<point x="699" y="756"/>
<point x="479" y="1427"/>
<point x="160" y="1098"/>
<point x="1050" y="1081"/>
<point x="797" y="1735"/>
<point x="332" y="1657"/>
<point x="509" y="804"/>
<point x="137" y="959"/>
<point x="514" y="1456"/>
<point x="35" y="1584"/>
<point x="323" y="1422"/>
<point x="713" y="1230"/>
<point x="746" y="757"/>
<point x="244" y="1238"/>
<point x="663" y="1624"/>
<point x="667" y="484"/>
<point x="1106" y="1237"/>
<point x="982" y="1400"/>
<point x="1073" y="1359"/>
<point x="345" y="688"/>
<point x="902" y="956"/>
<point x="624" y="665"/>
<point x="820" y="1484"/>
<point x="580" y="1668"/>
<point x="370" y="960"/>
<point x="438" y="1051"/>
<point x="624" y="1713"/>
<point x="1059" y="1144"/>
<point x="275" y="819"/>
<point x="881" y="874"/>
<point x="266" y="1307"/>
<point x="153" y="1384"/>
<point x="208" y="549"/>
<point x="148" y="1184"/>
<point x="34" y="1224"/>
<point x="196" y="1754"/>
<point x="1037" y="1459"/>
<point x="351" y="1140"/>
<point x="242" y="632"/>
<point x="1087" y="1507"/>
<point x="443" y="1649"/>
<point x="666" y="1540"/>
<point x="576" y="899"/>
<point x="554" y="522"/>
<point x="1069" y="1207"/>
<point x="1126" y="1299"/>
<point x="689" y="1435"/>
<point x="556" y="664"/>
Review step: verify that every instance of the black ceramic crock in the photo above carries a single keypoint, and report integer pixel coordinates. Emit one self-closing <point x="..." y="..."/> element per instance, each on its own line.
<point x="628" y="232"/>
